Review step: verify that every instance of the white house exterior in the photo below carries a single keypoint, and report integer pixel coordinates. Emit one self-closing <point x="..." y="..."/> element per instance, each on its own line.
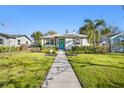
<point x="65" y="41"/>
<point x="115" y="41"/>
<point x="13" y="40"/>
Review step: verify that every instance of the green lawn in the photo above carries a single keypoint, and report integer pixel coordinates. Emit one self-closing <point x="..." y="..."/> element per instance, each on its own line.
<point x="98" y="71"/>
<point x="24" y="70"/>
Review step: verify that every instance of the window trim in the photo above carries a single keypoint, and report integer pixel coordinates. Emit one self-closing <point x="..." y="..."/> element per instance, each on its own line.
<point x="77" y="41"/>
<point x="26" y="42"/>
<point x="19" y="42"/>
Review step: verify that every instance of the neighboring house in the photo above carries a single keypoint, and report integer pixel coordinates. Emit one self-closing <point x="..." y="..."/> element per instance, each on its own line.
<point x="65" y="41"/>
<point x="13" y="40"/>
<point x="115" y="42"/>
<point x="104" y="41"/>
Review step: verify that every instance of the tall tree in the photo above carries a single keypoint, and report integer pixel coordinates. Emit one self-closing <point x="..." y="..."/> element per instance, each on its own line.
<point x="90" y="28"/>
<point x="82" y="30"/>
<point x="99" y="26"/>
<point x="36" y="36"/>
<point x="51" y="32"/>
<point x="106" y="32"/>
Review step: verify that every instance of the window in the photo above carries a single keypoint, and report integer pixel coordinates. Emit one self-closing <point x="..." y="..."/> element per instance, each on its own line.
<point x="47" y="42"/>
<point x="77" y="41"/>
<point x="26" y="42"/>
<point x="52" y="42"/>
<point x="1" y="41"/>
<point x="19" y="42"/>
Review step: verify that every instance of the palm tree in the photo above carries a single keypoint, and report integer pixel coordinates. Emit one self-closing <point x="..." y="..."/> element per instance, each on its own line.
<point x="88" y="28"/>
<point x="82" y="30"/>
<point x="106" y="32"/>
<point x="99" y="26"/>
<point x="92" y="29"/>
<point x="36" y="36"/>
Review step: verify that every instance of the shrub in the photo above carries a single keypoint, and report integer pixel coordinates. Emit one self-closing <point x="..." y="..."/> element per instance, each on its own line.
<point x="24" y="47"/>
<point x="104" y="50"/>
<point x="36" y="49"/>
<point x="75" y="49"/>
<point x="47" y="52"/>
<point x="88" y="49"/>
<point x="47" y="49"/>
<point x="7" y="48"/>
<point x="54" y="48"/>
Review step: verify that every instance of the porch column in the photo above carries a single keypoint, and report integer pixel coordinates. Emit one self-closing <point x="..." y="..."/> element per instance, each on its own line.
<point x="49" y="41"/>
<point x="73" y="41"/>
<point x="43" y="42"/>
<point x="55" y="41"/>
<point x="81" y="41"/>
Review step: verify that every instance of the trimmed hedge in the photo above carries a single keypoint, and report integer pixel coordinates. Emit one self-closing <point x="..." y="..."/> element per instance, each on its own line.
<point x="47" y="52"/>
<point x="47" y="49"/>
<point x="88" y="50"/>
<point x="7" y="48"/>
<point x="36" y="49"/>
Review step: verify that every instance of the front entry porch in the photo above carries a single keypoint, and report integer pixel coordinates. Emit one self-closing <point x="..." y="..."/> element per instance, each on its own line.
<point x="61" y="44"/>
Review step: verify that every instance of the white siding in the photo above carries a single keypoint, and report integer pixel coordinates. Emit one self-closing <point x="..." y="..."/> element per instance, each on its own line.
<point x="23" y="40"/>
<point x="114" y="40"/>
<point x="14" y="42"/>
<point x="11" y="42"/>
<point x="69" y="43"/>
<point x="5" y="41"/>
<point x="42" y="42"/>
<point x="57" y="42"/>
<point x="85" y="42"/>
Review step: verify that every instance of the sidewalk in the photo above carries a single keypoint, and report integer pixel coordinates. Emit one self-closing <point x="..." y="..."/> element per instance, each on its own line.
<point x="61" y="74"/>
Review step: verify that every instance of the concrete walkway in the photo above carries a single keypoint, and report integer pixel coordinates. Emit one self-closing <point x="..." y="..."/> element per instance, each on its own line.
<point x="61" y="74"/>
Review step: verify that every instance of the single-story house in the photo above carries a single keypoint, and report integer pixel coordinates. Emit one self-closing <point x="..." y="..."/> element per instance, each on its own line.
<point x="65" y="41"/>
<point x="13" y="40"/>
<point x="116" y="42"/>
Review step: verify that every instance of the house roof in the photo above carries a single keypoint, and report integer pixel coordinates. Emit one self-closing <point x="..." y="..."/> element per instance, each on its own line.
<point x="6" y="35"/>
<point x="67" y="35"/>
<point x="116" y="35"/>
<point x="12" y="36"/>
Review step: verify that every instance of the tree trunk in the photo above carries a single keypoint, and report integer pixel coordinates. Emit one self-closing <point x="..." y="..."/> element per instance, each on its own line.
<point x="94" y="39"/>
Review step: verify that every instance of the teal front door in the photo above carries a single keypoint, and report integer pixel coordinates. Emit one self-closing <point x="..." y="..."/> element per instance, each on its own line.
<point x="61" y="44"/>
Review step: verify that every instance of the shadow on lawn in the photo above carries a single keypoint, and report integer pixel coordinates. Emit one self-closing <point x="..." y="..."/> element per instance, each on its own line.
<point x="87" y="63"/>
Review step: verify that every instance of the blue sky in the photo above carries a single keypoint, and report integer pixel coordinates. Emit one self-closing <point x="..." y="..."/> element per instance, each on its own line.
<point x="27" y="19"/>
